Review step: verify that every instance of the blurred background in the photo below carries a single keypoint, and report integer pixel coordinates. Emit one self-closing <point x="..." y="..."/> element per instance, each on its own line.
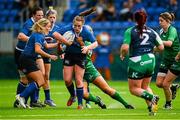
<point x="108" y="23"/>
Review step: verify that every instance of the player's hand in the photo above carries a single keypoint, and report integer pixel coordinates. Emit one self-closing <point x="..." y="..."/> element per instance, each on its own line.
<point x="80" y="41"/>
<point x="70" y="43"/>
<point x="61" y="56"/>
<point x="53" y="57"/>
<point x="122" y="57"/>
<point x="84" y="49"/>
<point x="177" y="58"/>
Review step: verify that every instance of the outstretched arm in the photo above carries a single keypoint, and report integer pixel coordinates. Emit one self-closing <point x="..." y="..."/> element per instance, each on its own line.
<point x="61" y="39"/>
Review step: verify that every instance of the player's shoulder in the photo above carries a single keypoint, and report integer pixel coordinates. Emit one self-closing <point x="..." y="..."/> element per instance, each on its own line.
<point x="29" y="22"/>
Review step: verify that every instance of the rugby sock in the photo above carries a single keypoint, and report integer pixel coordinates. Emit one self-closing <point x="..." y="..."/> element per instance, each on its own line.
<point x="34" y="96"/>
<point x="92" y="98"/>
<point x="37" y="94"/>
<point x="118" y="97"/>
<point x="87" y="101"/>
<point x="47" y="94"/>
<point x="20" y="88"/>
<point x="71" y="90"/>
<point x="168" y="102"/>
<point x="79" y="92"/>
<point x="146" y="95"/>
<point x="30" y="89"/>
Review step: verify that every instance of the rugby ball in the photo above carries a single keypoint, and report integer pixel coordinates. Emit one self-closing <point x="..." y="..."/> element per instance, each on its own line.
<point x="69" y="35"/>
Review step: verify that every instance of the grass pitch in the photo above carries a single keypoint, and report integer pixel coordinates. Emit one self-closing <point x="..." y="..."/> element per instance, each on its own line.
<point x="60" y="96"/>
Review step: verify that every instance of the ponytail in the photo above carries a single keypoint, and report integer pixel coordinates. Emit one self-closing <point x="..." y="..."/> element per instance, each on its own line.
<point x="83" y="14"/>
<point x="87" y="12"/>
<point x="140" y="17"/>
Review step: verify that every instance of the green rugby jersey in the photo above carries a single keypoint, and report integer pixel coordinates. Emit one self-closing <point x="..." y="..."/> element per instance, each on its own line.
<point x="170" y="52"/>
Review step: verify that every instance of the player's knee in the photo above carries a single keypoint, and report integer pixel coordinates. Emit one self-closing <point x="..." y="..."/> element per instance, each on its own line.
<point x="131" y="91"/>
<point x="106" y="90"/>
<point x="159" y="85"/>
<point x="85" y="95"/>
<point x="166" y="85"/>
<point x="68" y="82"/>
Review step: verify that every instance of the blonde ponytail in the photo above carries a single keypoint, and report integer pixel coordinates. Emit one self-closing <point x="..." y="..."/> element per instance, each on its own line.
<point x="39" y="25"/>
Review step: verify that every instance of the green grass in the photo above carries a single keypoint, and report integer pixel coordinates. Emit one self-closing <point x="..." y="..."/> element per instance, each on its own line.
<point x="60" y="95"/>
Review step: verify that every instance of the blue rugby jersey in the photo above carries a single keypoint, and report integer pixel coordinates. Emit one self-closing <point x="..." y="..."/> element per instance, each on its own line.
<point x="54" y="29"/>
<point x="35" y="38"/>
<point x="85" y="34"/>
<point x="27" y="31"/>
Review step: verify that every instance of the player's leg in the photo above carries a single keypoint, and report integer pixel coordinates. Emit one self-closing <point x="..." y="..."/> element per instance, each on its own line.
<point x="86" y="93"/>
<point x="35" y="101"/>
<point x="102" y="84"/>
<point x="79" y="73"/>
<point x="170" y="77"/>
<point x="68" y="75"/>
<point x="38" y="81"/>
<point x="46" y="86"/>
<point x="90" y="97"/>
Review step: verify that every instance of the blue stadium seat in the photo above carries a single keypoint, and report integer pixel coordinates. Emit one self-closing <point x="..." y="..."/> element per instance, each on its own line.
<point x="12" y="14"/>
<point x="177" y="24"/>
<point x="3" y="19"/>
<point x="116" y="25"/>
<point x="10" y="1"/>
<point x="16" y="26"/>
<point x="126" y="24"/>
<point x="159" y="10"/>
<point x="116" y="41"/>
<point x="4" y="13"/>
<point x="1" y="26"/>
<point x="73" y="4"/>
<point x="152" y="24"/>
<point x="97" y="25"/>
<point x="68" y="15"/>
<point x="1" y="6"/>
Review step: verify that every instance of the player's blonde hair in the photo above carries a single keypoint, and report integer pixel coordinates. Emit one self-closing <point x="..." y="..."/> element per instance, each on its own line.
<point x="40" y="25"/>
<point x="50" y="12"/>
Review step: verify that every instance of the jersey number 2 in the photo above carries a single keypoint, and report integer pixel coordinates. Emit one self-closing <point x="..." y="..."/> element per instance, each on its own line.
<point x="145" y="37"/>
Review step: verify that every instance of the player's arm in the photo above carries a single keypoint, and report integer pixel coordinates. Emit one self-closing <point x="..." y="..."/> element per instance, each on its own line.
<point x="85" y="49"/>
<point x="92" y="46"/>
<point x="177" y="58"/>
<point x="42" y="53"/>
<point x="171" y="37"/>
<point x="61" y="39"/>
<point x="51" y="45"/>
<point x="159" y="44"/>
<point x="21" y="36"/>
<point x="167" y="43"/>
<point x="124" y="50"/>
